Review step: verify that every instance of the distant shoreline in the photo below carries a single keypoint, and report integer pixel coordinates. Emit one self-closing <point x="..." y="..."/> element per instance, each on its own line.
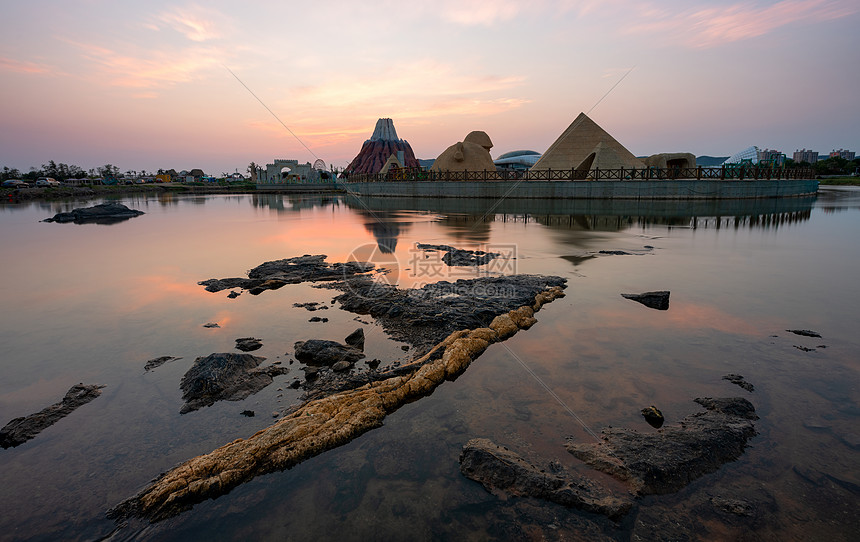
<point x="71" y="192"/>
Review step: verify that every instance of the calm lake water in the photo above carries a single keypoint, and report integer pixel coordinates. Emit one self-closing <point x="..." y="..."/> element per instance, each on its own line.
<point x="93" y="303"/>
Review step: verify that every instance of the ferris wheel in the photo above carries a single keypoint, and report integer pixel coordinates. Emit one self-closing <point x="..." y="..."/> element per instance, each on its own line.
<point x="319" y="164"/>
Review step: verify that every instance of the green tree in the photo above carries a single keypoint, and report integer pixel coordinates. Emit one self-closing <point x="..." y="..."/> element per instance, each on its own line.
<point x="9" y="173"/>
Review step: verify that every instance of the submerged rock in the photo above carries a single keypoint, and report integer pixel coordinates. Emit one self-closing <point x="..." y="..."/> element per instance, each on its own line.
<point x="323" y="352"/>
<point x="275" y="274"/>
<point x="666" y="461"/>
<point x="356" y="339"/>
<point x="104" y="213"/>
<point x="499" y="469"/>
<point x="739" y="380"/>
<point x="457" y="257"/>
<point x="652" y="300"/>
<point x="20" y="430"/>
<point x="158" y="362"/>
<point x="224" y="377"/>
<point x="653" y="416"/>
<point x="805" y="332"/>
<point x="248" y="344"/>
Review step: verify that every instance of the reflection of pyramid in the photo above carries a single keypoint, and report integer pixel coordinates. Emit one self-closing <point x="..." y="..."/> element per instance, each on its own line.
<point x="585" y="145"/>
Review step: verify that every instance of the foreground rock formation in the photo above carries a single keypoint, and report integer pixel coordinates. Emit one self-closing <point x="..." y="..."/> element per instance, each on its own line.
<point x="104" y="213"/>
<point x="499" y="469"/>
<point x="325" y="423"/>
<point x="275" y="274"/>
<point x="666" y="461"/>
<point x="20" y="430"/>
<point x="224" y="377"/>
<point x="655" y="463"/>
<point x="424" y="316"/>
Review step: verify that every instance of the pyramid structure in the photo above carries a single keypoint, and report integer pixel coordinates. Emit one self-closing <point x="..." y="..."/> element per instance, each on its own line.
<point x="585" y="145"/>
<point x="392" y="162"/>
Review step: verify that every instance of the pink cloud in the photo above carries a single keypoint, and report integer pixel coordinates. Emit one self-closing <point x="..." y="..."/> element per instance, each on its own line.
<point x="195" y="23"/>
<point x="713" y="26"/>
<point x="155" y="70"/>
<point x="18" y="66"/>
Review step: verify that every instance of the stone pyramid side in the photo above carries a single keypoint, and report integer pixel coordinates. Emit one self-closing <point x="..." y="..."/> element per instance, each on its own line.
<point x="391" y="162"/>
<point x="580" y="139"/>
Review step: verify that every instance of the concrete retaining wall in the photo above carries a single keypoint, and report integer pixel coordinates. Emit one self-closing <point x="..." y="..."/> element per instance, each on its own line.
<point x="678" y="189"/>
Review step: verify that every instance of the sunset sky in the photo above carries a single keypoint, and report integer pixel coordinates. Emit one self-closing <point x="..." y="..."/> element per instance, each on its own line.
<point x="148" y="85"/>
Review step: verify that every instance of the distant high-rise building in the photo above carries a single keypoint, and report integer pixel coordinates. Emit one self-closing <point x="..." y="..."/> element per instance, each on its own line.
<point x="806" y="156"/>
<point x="771" y="156"/>
<point x="842" y="153"/>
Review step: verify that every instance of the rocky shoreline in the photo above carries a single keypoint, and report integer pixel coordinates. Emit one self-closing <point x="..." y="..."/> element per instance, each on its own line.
<point x="74" y="192"/>
<point x="324" y="423"/>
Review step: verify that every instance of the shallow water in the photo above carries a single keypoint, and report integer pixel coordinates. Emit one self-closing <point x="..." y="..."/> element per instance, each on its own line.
<point x="92" y="303"/>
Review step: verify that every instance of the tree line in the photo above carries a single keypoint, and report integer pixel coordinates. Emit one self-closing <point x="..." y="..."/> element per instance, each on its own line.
<point x="60" y="171"/>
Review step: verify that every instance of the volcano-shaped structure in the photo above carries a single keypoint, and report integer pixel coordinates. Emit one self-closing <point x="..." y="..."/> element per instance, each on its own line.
<point x="381" y="145"/>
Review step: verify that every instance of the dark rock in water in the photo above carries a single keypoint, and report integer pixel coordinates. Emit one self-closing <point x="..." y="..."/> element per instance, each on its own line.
<point x="804" y="348"/>
<point x="653" y="416"/>
<point x="234" y="295"/>
<point x="456" y="257"/>
<point x="20" y="430"/>
<point x="248" y="413"/>
<point x="424" y="316"/>
<point x="318" y="319"/>
<point x="274" y="274"/>
<point x="356" y="339"/>
<point x="739" y="380"/>
<point x="341" y="366"/>
<point x="501" y="470"/>
<point x="615" y="253"/>
<point x="158" y="362"/>
<point x="211" y="325"/>
<point x="265" y="285"/>
<point x="248" y="344"/>
<point x="224" y="377"/>
<point x="805" y="332"/>
<point x="652" y="300"/>
<point x="311" y="306"/>
<point x="322" y="352"/>
<point x="666" y="461"/>
<point x="104" y="213"/>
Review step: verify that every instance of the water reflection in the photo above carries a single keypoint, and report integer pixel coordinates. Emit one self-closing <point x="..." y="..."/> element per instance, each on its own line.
<point x="470" y="219"/>
<point x="293" y="202"/>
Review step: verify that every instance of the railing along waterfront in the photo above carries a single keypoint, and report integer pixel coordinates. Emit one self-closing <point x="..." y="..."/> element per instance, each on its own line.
<point x="739" y="173"/>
